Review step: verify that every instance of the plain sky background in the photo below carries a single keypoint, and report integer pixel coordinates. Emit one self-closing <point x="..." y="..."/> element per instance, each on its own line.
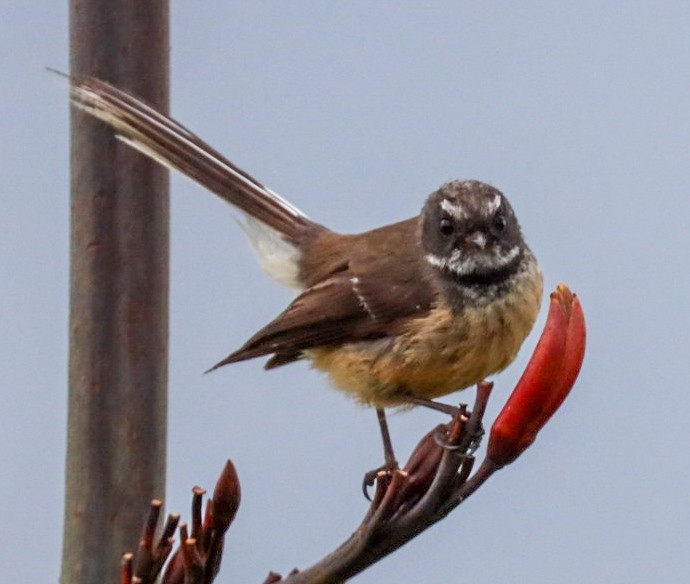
<point x="356" y="111"/>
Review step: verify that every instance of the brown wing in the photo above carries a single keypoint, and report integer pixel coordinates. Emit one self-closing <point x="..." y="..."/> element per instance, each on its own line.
<point x="342" y="309"/>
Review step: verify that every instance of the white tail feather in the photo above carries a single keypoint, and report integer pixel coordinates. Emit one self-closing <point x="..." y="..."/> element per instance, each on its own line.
<point x="279" y="258"/>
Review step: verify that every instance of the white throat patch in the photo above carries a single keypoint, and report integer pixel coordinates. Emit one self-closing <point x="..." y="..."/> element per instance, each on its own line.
<point x="464" y="266"/>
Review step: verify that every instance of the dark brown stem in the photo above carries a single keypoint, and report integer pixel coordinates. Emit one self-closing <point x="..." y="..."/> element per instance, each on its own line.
<point x="151" y="523"/>
<point x="214" y="556"/>
<point x="193" y="564"/>
<point x="168" y="531"/>
<point x="435" y="480"/>
<point x="197" y="498"/>
<point x="126" y="569"/>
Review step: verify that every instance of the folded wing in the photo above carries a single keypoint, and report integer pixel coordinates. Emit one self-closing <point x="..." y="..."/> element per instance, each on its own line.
<point x="345" y="308"/>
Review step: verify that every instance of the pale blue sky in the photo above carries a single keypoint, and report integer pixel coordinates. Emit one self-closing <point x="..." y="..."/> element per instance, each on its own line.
<point x="356" y="111"/>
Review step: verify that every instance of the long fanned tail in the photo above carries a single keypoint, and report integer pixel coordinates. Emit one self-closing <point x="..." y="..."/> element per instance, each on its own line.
<point x="274" y="226"/>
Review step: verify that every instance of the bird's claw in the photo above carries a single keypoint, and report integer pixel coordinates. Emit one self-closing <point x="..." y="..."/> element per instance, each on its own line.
<point x="440" y="438"/>
<point x="476" y="440"/>
<point x="385" y="470"/>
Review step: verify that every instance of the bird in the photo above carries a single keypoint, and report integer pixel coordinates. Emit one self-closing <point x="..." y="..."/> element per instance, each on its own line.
<point x="396" y="316"/>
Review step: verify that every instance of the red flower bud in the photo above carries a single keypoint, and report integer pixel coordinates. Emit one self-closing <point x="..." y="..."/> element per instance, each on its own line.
<point x="226" y="498"/>
<point x="546" y="382"/>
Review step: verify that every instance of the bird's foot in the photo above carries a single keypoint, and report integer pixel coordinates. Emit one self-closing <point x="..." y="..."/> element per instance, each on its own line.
<point x="390" y="466"/>
<point x="384" y="472"/>
<point x="440" y="437"/>
<point x="476" y="440"/>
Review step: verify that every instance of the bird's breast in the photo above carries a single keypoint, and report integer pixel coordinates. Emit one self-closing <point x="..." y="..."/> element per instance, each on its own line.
<point x="441" y="352"/>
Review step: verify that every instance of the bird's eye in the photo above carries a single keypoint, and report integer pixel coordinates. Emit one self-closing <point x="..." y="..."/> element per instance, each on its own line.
<point x="446" y="227"/>
<point x="499" y="223"/>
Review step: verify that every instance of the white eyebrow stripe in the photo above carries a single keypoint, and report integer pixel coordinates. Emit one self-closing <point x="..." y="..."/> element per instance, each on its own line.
<point x="454" y="210"/>
<point x="494" y="204"/>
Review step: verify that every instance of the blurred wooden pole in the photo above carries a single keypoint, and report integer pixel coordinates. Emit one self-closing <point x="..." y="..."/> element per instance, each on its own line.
<point x="119" y="297"/>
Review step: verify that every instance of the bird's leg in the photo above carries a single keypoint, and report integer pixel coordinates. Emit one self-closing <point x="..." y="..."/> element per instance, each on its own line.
<point x="451" y="411"/>
<point x="429" y="403"/>
<point x="390" y="464"/>
<point x="388" y="455"/>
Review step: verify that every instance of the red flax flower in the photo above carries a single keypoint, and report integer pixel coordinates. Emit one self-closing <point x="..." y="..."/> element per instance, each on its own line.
<point x="546" y="382"/>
